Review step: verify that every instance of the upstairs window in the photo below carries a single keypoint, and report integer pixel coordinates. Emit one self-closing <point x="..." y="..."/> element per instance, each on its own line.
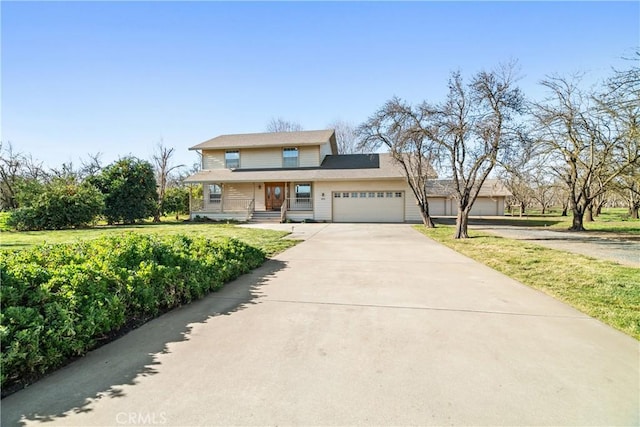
<point x="215" y="193"/>
<point x="290" y="158"/>
<point x="232" y="159"/>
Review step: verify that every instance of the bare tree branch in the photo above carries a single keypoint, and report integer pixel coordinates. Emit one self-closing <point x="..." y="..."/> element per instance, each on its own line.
<point x="278" y="124"/>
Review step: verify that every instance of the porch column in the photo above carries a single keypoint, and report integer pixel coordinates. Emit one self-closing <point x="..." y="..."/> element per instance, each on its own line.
<point x="221" y="198"/>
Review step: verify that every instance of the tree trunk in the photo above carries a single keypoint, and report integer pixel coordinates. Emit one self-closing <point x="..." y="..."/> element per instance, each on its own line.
<point x="565" y="207"/>
<point x="577" y="220"/>
<point x="599" y="208"/>
<point x="634" y="211"/>
<point x="543" y="209"/>
<point x="522" y="209"/>
<point x="426" y="218"/>
<point x="588" y="214"/>
<point x="462" y="221"/>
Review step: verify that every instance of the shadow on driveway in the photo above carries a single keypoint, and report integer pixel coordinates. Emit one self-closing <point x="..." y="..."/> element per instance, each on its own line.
<point x="100" y="373"/>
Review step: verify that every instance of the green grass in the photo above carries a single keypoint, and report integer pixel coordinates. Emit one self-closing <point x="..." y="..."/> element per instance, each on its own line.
<point x="611" y="220"/>
<point x="605" y="290"/>
<point x="270" y="241"/>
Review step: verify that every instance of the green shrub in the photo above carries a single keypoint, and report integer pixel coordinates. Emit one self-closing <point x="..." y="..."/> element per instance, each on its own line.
<point x="59" y="204"/>
<point x="4" y="218"/>
<point x="58" y="301"/>
<point x="129" y="188"/>
<point x="176" y="201"/>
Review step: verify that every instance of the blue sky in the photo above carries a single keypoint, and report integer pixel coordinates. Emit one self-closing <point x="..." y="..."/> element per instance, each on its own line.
<point x="117" y="77"/>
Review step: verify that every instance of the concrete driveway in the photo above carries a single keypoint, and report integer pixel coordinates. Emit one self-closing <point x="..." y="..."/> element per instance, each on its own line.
<point x="358" y="325"/>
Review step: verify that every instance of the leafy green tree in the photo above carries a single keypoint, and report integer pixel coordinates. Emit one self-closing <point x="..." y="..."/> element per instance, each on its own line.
<point x="176" y="201"/>
<point x="129" y="188"/>
<point x="60" y="203"/>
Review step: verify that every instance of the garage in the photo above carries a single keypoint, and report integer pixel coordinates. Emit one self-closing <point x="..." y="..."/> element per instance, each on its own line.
<point x="368" y="206"/>
<point x="437" y="206"/>
<point x="483" y="206"/>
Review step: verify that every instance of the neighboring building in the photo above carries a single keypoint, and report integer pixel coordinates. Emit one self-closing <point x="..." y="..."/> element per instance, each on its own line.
<point x="299" y="176"/>
<point x="490" y="201"/>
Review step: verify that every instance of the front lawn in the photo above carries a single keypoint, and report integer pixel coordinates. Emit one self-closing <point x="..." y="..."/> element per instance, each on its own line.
<point x="605" y="290"/>
<point x="270" y="241"/>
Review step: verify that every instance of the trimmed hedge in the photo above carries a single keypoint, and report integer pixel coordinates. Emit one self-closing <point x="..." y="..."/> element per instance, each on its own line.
<point x="58" y="301"/>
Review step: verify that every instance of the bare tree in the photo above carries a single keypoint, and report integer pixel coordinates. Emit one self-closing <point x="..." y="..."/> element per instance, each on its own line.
<point x="278" y="124"/>
<point x="587" y="140"/>
<point x="515" y="172"/>
<point x="163" y="169"/>
<point x="346" y="137"/>
<point x="11" y="164"/>
<point x="517" y="182"/>
<point x="91" y="166"/>
<point x="474" y="130"/>
<point x="627" y="186"/>
<point x="395" y="126"/>
<point x="16" y="169"/>
<point x="560" y="195"/>
<point x="542" y="189"/>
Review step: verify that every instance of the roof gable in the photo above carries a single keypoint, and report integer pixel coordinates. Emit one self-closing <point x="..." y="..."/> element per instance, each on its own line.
<point x="269" y="139"/>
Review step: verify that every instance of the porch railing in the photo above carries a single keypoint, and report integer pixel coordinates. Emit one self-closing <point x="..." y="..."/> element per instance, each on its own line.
<point x="222" y="205"/>
<point x="299" y="204"/>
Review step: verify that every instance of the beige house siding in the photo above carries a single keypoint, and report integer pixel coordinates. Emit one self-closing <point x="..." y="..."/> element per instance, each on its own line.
<point x="500" y="206"/>
<point x="325" y="150"/>
<point x="411" y="208"/>
<point x="259" y="196"/>
<point x="213" y="159"/>
<point x="261" y="158"/>
<point x="234" y="191"/>
<point x="309" y="156"/>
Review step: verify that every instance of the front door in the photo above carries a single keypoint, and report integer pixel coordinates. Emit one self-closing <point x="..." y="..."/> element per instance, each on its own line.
<point x="274" y="195"/>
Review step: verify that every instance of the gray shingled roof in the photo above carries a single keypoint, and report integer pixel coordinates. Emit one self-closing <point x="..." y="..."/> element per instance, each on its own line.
<point x="351" y="161"/>
<point x="267" y="139"/>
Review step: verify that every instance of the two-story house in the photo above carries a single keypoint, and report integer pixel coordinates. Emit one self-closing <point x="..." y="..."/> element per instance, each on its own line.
<point x="300" y="176"/>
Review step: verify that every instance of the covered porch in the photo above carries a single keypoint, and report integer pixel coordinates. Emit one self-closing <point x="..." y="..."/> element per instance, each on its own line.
<point x="240" y="200"/>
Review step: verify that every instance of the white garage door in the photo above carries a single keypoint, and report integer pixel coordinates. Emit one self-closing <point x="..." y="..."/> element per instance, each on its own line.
<point x="368" y="206"/>
<point x="484" y="206"/>
<point x="437" y="206"/>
